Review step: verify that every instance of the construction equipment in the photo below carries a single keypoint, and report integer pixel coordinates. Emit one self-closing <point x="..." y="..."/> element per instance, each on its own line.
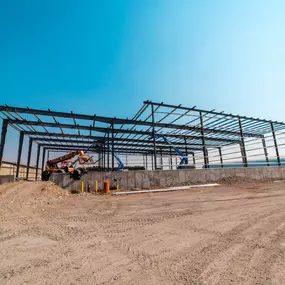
<point x="121" y="165"/>
<point x="184" y="159"/>
<point x="66" y="165"/>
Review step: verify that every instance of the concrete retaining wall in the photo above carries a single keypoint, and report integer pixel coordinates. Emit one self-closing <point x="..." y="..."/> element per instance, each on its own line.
<point x="157" y="179"/>
<point x="6" y="178"/>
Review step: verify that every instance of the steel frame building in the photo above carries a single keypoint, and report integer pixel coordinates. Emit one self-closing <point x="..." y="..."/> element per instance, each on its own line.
<point x="193" y="130"/>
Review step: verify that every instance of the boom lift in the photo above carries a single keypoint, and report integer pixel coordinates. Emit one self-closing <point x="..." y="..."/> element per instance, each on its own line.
<point x="66" y="165"/>
<point x="121" y="165"/>
<point x="184" y="159"/>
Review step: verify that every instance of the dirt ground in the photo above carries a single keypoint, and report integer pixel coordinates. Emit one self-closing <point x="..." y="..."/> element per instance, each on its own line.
<point x="233" y="234"/>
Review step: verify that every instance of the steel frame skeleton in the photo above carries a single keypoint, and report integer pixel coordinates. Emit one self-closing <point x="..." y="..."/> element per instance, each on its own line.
<point x="204" y="132"/>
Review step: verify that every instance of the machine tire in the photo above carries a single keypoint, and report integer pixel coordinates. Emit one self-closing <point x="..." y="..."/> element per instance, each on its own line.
<point x="76" y="175"/>
<point x="45" y="175"/>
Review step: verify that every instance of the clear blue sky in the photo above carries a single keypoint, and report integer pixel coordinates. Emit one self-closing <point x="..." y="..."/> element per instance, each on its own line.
<point x="106" y="57"/>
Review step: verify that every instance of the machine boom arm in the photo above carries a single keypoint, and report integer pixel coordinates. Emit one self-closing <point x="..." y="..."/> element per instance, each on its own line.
<point x="184" y="158"/>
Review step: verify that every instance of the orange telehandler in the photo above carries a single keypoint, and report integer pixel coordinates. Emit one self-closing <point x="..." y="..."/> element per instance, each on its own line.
<point x="66" y="165"/>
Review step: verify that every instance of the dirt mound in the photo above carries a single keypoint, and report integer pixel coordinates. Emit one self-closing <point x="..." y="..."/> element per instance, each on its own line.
<point x="51" y="190"/>
<point x="30" y="193"/>
<point x="235" y="180"/>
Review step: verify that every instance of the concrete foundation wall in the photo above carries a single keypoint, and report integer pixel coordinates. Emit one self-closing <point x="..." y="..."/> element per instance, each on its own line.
<point x="157" y="179"/>
<point x="6" y="178"/>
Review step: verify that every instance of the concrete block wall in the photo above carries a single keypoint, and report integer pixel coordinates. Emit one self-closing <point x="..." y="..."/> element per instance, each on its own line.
<point x="165" y="178"/>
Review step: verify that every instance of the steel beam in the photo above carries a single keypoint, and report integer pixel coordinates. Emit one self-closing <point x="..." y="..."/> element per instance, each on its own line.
<point x="164" y="149"/>
<point x="275" y="144"/>
<point x="37" y="162"/>
<point x="189" y="137"/>
<point x="212" y="112"/>
<point x="3" y="139"/>
<point x="29" y="157"/>
<point x="123" y="122"/>
<point x="20" y="147"/>
<point x="242" y="145"/>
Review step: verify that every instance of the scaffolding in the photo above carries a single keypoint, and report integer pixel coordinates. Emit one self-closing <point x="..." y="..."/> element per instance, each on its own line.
<point x="211" y="139"/>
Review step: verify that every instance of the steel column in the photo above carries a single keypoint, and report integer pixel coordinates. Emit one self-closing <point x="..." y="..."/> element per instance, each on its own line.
<point x="205" y="151"/>
<point x="3" y="139"/>
<point x="20" y="147"/>
<point x="275" y="144"/>
<point x="43" y="159"/>
<point x="171" y="161"/>
<point x="186" y="150"/>
<point x="37" y="162"/>
<point x="265" y="151"/>
<point x="153" y="136"/>
<point x="104" y="157"/>
<point x="221" y="157"/>
<point x="113" y="152"/>
<point x="193" y="157"/>
<point x="161" y="159"/>
<point x="108" y="152"/>
<point x="242" y="145"/>
<point x="146" y="162"/>
<point x="29" y="157"/>
<point x="152" y="162"/>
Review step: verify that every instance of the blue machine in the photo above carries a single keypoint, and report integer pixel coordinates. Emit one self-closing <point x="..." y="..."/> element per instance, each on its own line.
<point x="184" y="159"/>
<point x="121" y="165"/>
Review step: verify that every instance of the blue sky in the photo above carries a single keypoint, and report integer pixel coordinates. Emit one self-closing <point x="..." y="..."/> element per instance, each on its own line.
<point x="106" y="57"/>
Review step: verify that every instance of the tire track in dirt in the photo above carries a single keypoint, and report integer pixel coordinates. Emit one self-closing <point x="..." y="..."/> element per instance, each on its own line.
<point x="194" y="261"/>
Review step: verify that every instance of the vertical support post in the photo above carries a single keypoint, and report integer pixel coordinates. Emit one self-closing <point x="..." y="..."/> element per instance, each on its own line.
<point x="186" y="150"/>
<point x="275" y="144"/>
<point x="171" y="161"/>
<point x="146" y="162"/>
<point x="43" y="159"/>
<point x="143" y="161"/>
<point x="20" y="147"/>
<point x="221" y="157"/>
<point x="153" y="136"/>
<point x="161" y="159"/>
<point x="152" y="162"/>
<point x="242" y="145"/>
<point x="205" y="151"/>
<point x="108" y="152"/>
<point x="37" y="162"/>
<point x="29" y="157"/>
<point x="104" y="157"/>
<point x="265" y="151"/>
<point x="126" y="160"/>
<point x="113" y="152"/>
<point x="3" y="139"/>
<point x="193" y="157"/>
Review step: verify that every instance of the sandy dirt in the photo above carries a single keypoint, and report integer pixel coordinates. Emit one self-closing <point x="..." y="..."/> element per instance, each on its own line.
<point x="233" y="234"/>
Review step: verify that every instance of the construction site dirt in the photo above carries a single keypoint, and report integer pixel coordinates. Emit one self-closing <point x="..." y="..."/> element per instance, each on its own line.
<point x="232" y="234"/>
